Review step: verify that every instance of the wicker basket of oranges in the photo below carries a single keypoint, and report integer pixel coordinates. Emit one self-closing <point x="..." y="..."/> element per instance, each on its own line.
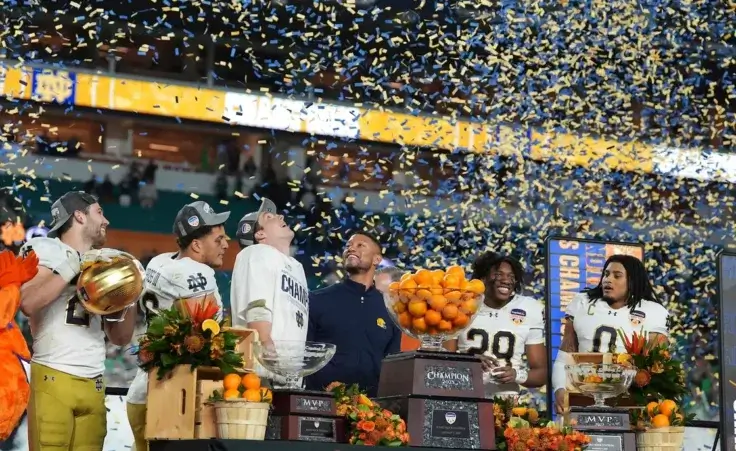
<point x="242" y="409"/>
<point x="434" y="305"/>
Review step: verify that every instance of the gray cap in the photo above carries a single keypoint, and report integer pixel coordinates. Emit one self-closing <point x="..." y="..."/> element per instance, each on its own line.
<point x="196" y="215"/>
<point x="247" y="225"/>
<point x="63" y="209"/>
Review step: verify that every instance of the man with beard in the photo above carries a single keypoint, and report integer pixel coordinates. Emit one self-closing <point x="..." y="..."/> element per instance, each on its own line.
<point x="188" y="273"/>
<point x="269" y="288"/>
<point x="507" y="327"/>
<point x="351" y="314"/>
<point x="67" y="407"/>
<point x="629" y="305"/>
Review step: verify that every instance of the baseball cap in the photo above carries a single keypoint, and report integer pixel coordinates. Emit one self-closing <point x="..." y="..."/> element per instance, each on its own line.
<point x="196" y="215"/>
<point x="247" y="225"/>
<point x="63" y="209"/>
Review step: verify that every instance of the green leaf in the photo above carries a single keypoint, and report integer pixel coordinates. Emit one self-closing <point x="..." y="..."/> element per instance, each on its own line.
<point x="168" y="360"/>
<point x="395" y="443"/>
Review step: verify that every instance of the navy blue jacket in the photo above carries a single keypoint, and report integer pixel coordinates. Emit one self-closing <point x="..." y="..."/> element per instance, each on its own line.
<point x="356" y="321"/>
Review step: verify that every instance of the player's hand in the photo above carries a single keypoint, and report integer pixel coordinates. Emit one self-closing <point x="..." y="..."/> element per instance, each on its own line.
<point x="69" y="267"/>
<point x="118" y="317"/>
<point x="560" y="400"/>
<point x="104" y="255"/>
<point x="504" y="374"/>
<point x="488" y="363"/>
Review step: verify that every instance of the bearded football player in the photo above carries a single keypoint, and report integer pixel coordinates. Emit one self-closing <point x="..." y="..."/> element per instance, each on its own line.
<point x="623" y="300"/>
<point x="508" y="327"/>
<point x="269" y="289"/>
<point x="67" y="407"/>
<point x="188" y="273"/>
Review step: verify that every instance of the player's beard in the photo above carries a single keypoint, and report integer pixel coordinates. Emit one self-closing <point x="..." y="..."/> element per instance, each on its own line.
<point x="609" y="300"/>
<point x="96" y="235"/>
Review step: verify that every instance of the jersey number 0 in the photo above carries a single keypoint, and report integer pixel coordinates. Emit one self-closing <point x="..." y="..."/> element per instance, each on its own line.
<point x="502" y="346"/>
<point x="604" y="339"/>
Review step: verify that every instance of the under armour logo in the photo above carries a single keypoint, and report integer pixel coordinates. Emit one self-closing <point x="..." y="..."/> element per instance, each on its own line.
<point x="612" y="313"/>
<point x="197" y="282"/>
<point x="493" y="314"/>
<point x="98" y="384"/>
<point x="300" y="319"/>
<point x="46" y="377"/>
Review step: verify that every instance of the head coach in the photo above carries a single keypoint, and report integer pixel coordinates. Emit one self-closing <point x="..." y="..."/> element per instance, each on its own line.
<point x="351" y="314"/>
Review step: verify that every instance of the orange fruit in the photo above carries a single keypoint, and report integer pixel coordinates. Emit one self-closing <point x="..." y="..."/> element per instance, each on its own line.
<point x="453" y="295"/>
<point x="451" y="281"/>
<point x="476" y="286"/>
<point x="436" y="289"/>
<point x="393" y="287"/>
<point x="660" y="421"/>
<point x="251" y="381"/>
<point x="437" y="276"/>
<point x="266" y="394"/>
<point x="424" y="294"/>
<point x="405" y="276"/>
<point x="437" y="302"/>
<point x="449" y="312"/>
<point x="232" y="393"/>
<point x="405" y="319"/>
<point x="667" y="407"/>
<point x="407" y="287"/>
<point x="444" y="326"/>
<point x="432" y="331"/>
<point x="457" y="271"/>
<point x="464" y="284"/>
<point x="461" y="320"/>
<point x="231" y="381"/>
<point x="252" y="395"/>
<point x="399" y="307"/>
<point x="423" y="277"/>
<point x="470" y="306"/>
<point x="651" y="408"/>
<point x="432" y="317"/>
<point x="417" y="309"/>
<point x="419" y="325"/>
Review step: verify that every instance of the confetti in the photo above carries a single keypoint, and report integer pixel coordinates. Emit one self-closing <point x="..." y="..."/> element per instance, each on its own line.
<point x="576" y="116"/>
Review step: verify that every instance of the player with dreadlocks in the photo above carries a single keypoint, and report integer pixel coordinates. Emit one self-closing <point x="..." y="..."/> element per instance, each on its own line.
<point x="629" y="304"/>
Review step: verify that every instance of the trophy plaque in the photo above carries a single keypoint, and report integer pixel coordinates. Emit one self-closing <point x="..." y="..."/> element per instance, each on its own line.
<point x="306" y="416"/>
<point x="299" y="414"/>
<point x="608" y="428"/>
<point x="441" y="397"/>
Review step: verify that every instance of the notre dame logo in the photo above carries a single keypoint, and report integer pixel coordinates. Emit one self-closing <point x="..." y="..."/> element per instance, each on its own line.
<point x="197" y="282"/>
<point x="53" y="86"/>
<point x="300" y="319"/>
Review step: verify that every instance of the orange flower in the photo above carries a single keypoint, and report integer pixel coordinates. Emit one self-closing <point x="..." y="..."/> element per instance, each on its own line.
<point x="368" y="426"/>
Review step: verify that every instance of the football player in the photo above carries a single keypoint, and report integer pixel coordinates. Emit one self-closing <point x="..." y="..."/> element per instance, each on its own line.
<point x="67" y="407"/>
<point x="200" y="235"/>
<point x="624" y="300"/>
<point x="507" y="327"/>
<point x="269" y="288"/>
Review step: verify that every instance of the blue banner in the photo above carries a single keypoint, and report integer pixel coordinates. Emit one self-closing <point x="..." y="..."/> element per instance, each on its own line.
<point x="54" y="86"/>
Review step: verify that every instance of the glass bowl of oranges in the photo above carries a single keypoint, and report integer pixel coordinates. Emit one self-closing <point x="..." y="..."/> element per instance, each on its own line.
<point x="434" y="305"/>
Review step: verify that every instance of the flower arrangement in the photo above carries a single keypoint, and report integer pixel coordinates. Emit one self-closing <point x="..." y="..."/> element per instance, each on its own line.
<point x="188" y="334"/>
<point x="522" y="436"/>
<point x="370" y="425"/>
<point x="659" y="376"/>
<point x="505" y="408"/>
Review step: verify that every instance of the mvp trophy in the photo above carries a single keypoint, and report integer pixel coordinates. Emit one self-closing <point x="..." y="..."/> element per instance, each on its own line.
<point x="439" y="394"/>
<point x="608" y="427"/>
<point x="300" y="414"/>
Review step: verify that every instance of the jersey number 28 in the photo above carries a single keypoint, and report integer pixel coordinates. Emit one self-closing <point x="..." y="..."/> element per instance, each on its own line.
<point x="502" y="346"/>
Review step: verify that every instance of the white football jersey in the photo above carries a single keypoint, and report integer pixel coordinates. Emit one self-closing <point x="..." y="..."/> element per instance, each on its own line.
<point x="264" y="274"/>
<point x="66" y="337"/>
<point x="597" y="324"/>
<point x="504" y="333"/>
<point x="168" y="279"/>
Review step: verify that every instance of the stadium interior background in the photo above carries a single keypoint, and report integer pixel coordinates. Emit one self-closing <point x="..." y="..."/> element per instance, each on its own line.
<point x="91" y="110"/>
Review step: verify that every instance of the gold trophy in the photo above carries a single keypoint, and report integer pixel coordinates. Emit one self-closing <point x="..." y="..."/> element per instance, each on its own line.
<point x="107" y="287"/>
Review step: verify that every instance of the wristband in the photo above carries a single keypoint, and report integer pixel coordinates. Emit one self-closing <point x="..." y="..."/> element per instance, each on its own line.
<point x="521" y="376"/>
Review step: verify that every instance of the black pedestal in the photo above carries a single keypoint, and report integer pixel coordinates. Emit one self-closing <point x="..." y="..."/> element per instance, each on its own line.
<point x="258" y="445"/>
<point x="609" y="428"/>
<point x="305" y="415"/>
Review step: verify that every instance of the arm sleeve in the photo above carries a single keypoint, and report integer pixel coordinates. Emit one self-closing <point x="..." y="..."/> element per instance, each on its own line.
<point x="394" y="346"/>
<point x="312" y="327"/>
<point x="536" y="326"/>
<point x="573" y="308"/>
<point x="253" y="295"/>
<point x="658" y="324"/>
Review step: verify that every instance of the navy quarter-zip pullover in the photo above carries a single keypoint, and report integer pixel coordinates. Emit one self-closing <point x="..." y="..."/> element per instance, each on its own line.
<point x="355" y="319"/>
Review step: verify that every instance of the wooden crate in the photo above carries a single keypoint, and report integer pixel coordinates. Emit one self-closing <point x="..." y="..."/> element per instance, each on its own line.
<point x="176" y="404"/>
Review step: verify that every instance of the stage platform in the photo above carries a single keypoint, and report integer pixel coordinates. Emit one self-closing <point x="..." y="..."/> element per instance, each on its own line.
<point x="258" y="445"/>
